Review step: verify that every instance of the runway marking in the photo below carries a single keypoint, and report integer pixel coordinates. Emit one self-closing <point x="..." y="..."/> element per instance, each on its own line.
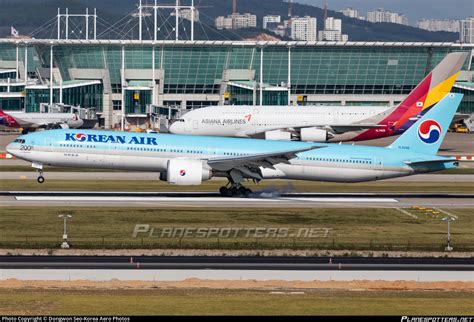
<point x="446" y="213"/>
<point x="407" y="213"/>
<point x="204" y="199"/>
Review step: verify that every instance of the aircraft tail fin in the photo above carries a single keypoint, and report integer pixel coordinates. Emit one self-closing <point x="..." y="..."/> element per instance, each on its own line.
<point x="3" y="116"/>
<point x="434" y="87"/>
<point x="427" y="134"/>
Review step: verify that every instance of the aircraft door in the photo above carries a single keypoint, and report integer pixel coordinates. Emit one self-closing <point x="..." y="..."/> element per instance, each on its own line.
<point x="48" y="142"/>
<point x="378" y="163"/>
<point x="195" y="125"/>
<point x="187" y="125"/>
<point x="335" y="116"/>
<point x="378" y="167"/>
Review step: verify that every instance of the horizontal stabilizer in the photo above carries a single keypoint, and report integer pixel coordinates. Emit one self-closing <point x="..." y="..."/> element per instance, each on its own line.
<point x="428" y="162"/>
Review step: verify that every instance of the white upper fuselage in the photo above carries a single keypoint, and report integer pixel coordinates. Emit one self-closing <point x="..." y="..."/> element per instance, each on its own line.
<point x="247" y="121"/>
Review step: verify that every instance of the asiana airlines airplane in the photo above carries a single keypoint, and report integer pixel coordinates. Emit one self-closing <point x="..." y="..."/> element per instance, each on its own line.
<point x="324" y="123"/>
<point x="189" y="160"/>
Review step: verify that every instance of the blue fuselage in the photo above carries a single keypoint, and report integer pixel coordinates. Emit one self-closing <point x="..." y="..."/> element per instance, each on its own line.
<point x="151" y="152"/>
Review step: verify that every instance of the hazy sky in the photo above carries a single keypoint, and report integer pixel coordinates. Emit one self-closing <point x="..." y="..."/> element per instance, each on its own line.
<point x="413" y="9"/>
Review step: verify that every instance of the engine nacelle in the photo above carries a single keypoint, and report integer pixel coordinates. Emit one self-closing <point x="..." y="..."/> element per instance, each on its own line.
<point x="278" y="135"/>
<point x="186" y="172"/>
<point x="313" y="134"/>
<point x="63" y="126"/>
<point x="74" y="124"/>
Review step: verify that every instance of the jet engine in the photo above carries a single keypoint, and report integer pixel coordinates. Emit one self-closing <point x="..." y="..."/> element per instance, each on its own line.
<point x="75" y="123"/>
<point x="278" y="135"/>
<point x="63" y="126"/>
<point x="313" y="134"/>
<point x="186" y="172"/>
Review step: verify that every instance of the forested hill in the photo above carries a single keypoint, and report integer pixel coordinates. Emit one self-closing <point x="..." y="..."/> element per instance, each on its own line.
<point x="28" y="15"/>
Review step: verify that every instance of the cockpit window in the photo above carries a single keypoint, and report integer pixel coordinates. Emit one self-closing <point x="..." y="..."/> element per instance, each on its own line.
<point x="19" y="141"/>
<point x="176" y="120"/>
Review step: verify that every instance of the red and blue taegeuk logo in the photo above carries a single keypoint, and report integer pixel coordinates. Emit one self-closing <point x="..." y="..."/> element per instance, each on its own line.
<point x="429" y="131"/>
<point x="81" y="137"/>
<point x="182" y="173"/>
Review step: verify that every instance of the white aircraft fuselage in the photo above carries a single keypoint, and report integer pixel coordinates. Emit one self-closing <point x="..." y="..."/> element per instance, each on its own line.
<point x="268" y="121"/>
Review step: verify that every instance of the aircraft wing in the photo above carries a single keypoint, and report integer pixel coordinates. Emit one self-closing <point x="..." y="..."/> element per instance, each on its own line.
<point x="249" y="165"/>
<point x="458" y="117"/>
<point x="339" y="129"/>
<point x="335" y="129"/>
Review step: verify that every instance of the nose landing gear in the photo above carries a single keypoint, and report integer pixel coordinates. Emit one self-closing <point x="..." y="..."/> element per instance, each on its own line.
<point x="40" y="178"/>
<point x="39" y="168"/>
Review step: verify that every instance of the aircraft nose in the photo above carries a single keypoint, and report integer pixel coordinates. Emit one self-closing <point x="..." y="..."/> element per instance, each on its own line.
<point x="174" y="128"/>
<point x="10" y="149"/>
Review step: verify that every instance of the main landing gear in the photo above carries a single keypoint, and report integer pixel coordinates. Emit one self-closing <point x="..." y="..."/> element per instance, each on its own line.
<point x="235" y="190"/>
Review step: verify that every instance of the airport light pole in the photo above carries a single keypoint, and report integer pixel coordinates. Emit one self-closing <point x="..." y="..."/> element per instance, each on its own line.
<point x="122" y="75"/>
<point x="65" y="243"/>
<point x="17" y="64"/>
<point x="261" y="75"/>
<point x="51" y="92"/>
<point x="288" y="83"/>
<point x="448" y="244"/>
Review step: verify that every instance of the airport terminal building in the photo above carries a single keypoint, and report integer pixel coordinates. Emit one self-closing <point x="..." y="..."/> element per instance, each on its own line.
<point x="136" y="79"/>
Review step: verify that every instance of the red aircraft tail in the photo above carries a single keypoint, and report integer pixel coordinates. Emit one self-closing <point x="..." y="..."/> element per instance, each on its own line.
<point x="429" y="92"/>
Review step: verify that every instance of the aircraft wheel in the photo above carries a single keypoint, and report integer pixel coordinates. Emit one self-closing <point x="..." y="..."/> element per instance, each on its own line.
<point x="244" y="192"/>
<point x="40" y="179"/>
<point x="225" y="192"/>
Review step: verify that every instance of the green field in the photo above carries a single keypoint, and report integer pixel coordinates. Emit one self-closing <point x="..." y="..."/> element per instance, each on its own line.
<point x="336" y="229"/>
<point x="213" y="186"/>
<point x="232" y="302"/>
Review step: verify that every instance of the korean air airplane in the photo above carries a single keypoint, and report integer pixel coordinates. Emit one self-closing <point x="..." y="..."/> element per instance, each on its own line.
<point x="324" y="123"/>
<point x="189" y="160"/>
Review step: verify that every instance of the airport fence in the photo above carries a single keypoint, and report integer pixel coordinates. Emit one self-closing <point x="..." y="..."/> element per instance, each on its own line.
<point x="333" y="243"/>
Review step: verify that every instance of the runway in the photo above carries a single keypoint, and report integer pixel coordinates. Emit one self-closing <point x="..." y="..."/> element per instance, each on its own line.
<point x="235" y="268"/>
<point x="237" y="263"/>
<point x="258" y="199"/>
